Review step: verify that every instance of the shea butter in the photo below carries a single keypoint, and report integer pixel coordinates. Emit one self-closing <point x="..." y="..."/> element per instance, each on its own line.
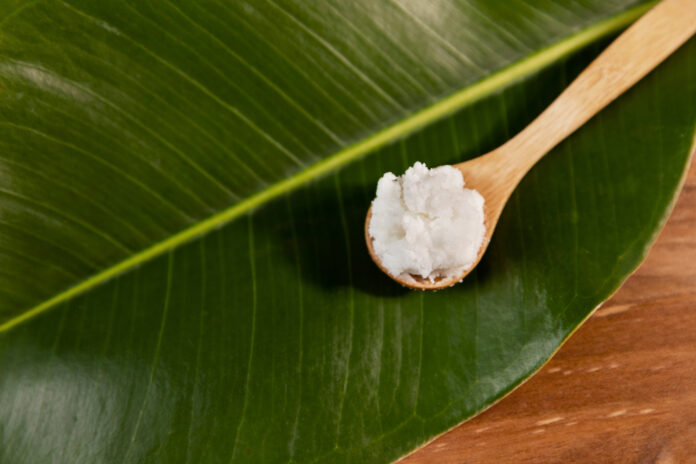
<point x="426" y="223"/>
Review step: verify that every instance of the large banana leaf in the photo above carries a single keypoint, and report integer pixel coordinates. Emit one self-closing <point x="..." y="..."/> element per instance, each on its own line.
<point x="182" y="191"/>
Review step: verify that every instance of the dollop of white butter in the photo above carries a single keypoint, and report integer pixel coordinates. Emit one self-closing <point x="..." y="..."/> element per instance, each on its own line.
<point x="426" y="223"/>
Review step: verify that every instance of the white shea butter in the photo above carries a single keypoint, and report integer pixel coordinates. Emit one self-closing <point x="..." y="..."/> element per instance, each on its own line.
<point x="426" y="223"/>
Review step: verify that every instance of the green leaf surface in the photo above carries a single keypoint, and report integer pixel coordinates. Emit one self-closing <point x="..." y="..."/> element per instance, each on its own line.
<point x="183" y="186"/>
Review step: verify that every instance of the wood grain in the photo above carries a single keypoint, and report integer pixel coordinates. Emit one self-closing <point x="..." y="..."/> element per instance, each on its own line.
<point x="621" y="390"/>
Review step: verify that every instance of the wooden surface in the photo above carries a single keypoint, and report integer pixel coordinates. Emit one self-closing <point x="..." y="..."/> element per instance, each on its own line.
<point x="621" y="390"/>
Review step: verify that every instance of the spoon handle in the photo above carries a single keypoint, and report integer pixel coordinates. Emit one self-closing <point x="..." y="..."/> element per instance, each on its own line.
<point x="637" y="51"/>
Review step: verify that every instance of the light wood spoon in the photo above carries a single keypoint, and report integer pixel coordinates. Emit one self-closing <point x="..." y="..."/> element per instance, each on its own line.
<point x="637" y="51"/>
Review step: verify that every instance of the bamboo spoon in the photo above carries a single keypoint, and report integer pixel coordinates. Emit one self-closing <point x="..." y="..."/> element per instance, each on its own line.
<point x="628" y="59"/>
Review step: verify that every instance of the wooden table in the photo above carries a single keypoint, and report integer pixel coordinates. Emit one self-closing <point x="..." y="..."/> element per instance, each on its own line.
<point x="621" y="390"/>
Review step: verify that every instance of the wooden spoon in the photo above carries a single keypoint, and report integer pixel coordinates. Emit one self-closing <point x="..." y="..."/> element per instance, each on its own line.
<point x="628" y="59"/>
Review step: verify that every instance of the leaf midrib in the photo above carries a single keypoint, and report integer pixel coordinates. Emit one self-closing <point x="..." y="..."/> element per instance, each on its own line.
<point x="484" y="87"/>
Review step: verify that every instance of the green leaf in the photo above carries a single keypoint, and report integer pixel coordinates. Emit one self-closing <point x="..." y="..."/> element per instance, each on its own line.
<point x="183" y="186"/>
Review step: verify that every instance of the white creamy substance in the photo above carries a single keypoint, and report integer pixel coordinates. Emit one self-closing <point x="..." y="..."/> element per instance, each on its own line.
<point x="426" y="223"/>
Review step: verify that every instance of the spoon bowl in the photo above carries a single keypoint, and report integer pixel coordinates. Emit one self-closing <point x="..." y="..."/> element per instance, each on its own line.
<point x="479" y="174"/>
<point x="637" y="51"/>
